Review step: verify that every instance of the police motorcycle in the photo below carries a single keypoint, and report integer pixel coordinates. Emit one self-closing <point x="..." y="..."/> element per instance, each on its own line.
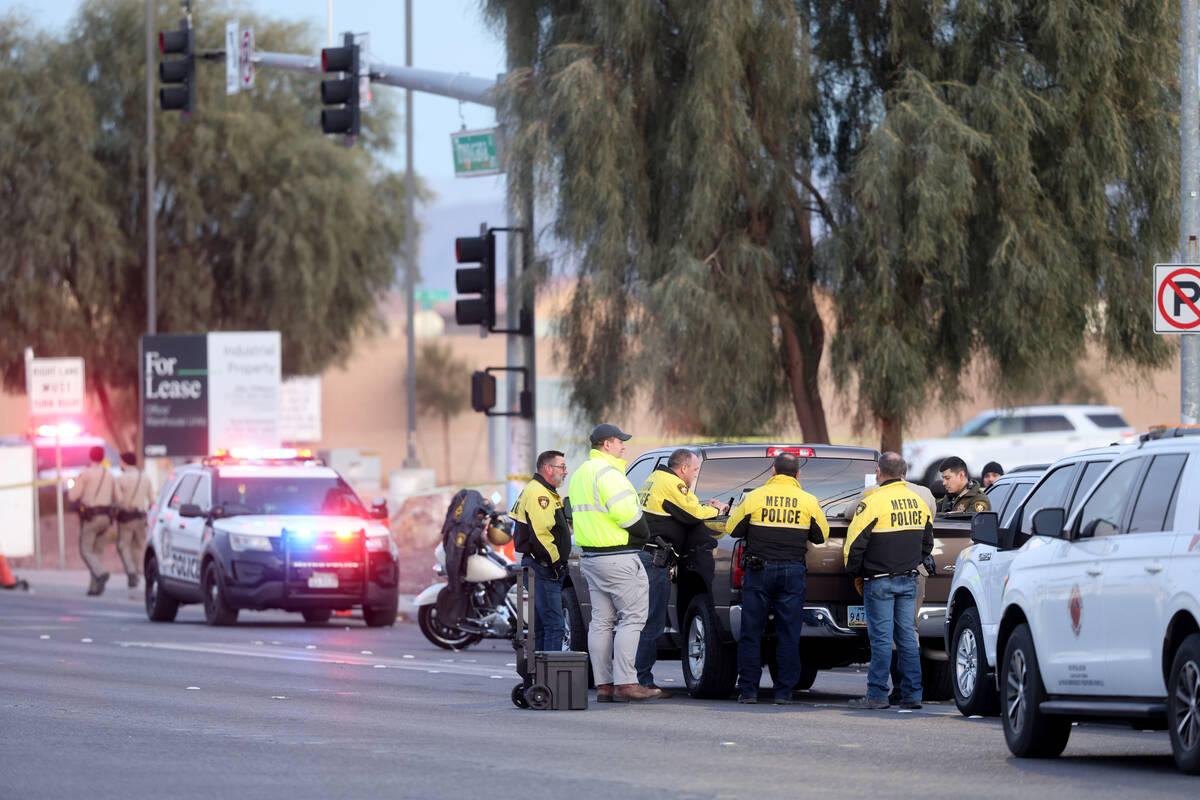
<point x="478" y="599"/>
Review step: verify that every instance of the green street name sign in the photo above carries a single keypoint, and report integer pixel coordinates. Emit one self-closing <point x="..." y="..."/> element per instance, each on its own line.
<point x="427" y="297"/>
<point x="475" y="153"/>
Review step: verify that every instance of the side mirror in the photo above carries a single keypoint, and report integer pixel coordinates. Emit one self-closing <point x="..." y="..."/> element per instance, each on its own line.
<point x="379" y="509"/>
<point x="1049" y="522"/>
<point x="1097" y="527"/>
<point x="985" y="528"/>
<point x="190" y="510"/>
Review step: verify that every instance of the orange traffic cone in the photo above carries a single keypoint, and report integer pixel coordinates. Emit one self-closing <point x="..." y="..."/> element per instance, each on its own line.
<point x="7" y="579"/>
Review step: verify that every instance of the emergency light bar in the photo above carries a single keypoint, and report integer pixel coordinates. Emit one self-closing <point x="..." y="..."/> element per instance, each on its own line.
<point x="260" y="455"/>
<point x="63" y="430"/>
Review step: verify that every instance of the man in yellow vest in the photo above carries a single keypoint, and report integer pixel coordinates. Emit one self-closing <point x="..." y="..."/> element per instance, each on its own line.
<point x="543" y="539"/>
<point x="889" y="537"/>
<point x="777" y="520"/>
<point x="610" y="531"/>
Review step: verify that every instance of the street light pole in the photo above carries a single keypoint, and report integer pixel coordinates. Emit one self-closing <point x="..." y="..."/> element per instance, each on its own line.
<point x="1189" y="225"/>
<point x="410" y="253"/>
<point x="151" y="248"/>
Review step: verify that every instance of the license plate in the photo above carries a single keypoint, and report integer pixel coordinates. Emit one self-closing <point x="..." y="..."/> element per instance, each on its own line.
<point x="856" y="616"/>
<point x="323" y="580"/>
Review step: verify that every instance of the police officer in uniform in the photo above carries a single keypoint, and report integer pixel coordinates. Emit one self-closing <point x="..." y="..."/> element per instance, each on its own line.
<point x="133" y="495"/>
<point x="777" y="520"/>
<point x="674" y="514"/>
<point x="541" y="535"/>
<point x="94" y="491"/>
<point x="890" y="536"/>
<point x="962" y="493"/>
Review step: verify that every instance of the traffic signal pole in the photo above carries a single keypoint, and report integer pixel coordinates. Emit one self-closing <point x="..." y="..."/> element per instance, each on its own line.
<point x="521" y="433"/>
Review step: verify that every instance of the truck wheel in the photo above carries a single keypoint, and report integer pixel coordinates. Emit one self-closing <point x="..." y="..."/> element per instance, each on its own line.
<point x="974" y="691"/>
<point x="937" y="679"/>
<point x="317" y="614"/>
<point x="575" y="633"/>
<point x="709" y="665"/>
<point x="1183" y="705"/>
<point x="381" y="616"/>
<point x="160" y="605"/>
<point x="1028" y="732"/>
<point x="216" y="607"/>
<point x="808" y="672"/>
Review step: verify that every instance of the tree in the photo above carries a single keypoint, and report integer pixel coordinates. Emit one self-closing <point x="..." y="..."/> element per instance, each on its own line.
<point x="442" y="385"/>
<point x="670" y="139"/>
<point x="968" y="180"/>
<point x="263" y="223"/>
<point x="1014" y="174"/>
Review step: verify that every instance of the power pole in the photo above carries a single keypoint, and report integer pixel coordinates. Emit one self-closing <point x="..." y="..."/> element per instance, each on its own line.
<point x="410" y="254"/>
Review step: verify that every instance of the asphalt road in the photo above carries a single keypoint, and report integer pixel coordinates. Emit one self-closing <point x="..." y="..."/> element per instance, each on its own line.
<point x="97" y="702"/>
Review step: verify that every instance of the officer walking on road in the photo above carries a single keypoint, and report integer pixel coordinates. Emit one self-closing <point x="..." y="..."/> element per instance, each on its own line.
<point x="611" y="530"/>
<point x="133" y="496"/>
<point x="675" y="517"/>
<point x="94" y="491"/>
<point x="541" y="535"/>
<point x="890" y="536"/>
<point x="962" y="493"/>
<point x="777" y="520"/>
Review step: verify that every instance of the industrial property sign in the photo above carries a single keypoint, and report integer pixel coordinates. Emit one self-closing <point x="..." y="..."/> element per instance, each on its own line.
<point x="1176" y="298"/>
<point x="55" y="386"/>
<point x="475" y="153"/>
<point x="203" y="392"/>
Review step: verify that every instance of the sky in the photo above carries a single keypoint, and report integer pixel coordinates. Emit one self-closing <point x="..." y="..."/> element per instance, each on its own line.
<point x="448" y="36"/>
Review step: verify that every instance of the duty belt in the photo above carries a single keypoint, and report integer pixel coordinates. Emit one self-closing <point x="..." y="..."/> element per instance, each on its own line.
<point x="912" y="573"/>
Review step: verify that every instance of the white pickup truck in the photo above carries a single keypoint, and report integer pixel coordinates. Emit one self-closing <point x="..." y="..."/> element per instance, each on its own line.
<point x="1100" y="617"/>
<point x="973" y="609"/>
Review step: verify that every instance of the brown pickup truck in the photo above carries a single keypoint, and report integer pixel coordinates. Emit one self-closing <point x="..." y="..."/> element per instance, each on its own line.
<point x="703" y="622"/>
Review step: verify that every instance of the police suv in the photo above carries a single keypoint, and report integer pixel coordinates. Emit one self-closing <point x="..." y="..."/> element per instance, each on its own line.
<point x="997" y="536"/>
<point x="268" y="529"/>
<point x="1100" y="617"/>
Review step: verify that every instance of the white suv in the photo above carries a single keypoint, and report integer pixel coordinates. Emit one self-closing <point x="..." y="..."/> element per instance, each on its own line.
<point x="1011" y="436"/>
<point x="1100" y="618"/>
<point x="274" y="529"/>
<point x="973" y="610"/>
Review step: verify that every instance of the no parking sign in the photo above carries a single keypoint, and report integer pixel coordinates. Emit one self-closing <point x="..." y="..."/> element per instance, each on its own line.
<point x="1176" y="298"/>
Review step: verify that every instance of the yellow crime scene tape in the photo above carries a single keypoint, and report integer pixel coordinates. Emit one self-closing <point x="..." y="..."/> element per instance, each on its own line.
<point x="39" y="483"/>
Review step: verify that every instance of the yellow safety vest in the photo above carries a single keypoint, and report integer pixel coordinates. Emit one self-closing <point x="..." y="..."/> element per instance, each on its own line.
<point x="603" y="504"/>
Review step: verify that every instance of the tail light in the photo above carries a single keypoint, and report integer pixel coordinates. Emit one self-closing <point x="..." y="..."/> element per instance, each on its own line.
<point x="738" y="573"/>
<point x="798" y="452"/>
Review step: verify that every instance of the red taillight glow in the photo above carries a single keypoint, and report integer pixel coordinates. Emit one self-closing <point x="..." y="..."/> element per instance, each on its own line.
<point x="798" y="452"/>
<point x="735" y="577"/>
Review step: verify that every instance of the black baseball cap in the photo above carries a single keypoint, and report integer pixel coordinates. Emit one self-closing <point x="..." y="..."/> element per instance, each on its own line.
<point x="992" y="466"/>
<point x="607" y="430"/>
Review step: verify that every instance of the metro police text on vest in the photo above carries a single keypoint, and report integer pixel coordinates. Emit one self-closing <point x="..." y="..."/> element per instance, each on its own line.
<point x="907" y="512"/>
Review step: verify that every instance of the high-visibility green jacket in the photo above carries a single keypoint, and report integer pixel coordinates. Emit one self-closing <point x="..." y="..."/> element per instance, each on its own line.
<point x="604" y="507"/>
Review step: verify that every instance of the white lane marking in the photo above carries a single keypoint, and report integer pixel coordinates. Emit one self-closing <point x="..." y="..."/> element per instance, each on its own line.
<point x="327" y="657"/>
<point x="86" y="641"/>
<point x="44" y="636"/>
<point x="193" y="688"/>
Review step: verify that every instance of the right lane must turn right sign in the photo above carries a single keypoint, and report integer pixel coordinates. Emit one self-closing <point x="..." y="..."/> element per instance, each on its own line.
<point x="1176" y="298"/>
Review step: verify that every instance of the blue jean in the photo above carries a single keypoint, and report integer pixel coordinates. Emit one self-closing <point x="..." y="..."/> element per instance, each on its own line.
<point x="547" y="608"/>
<point x="780" y="584"/>
<point x="889" y="606"/>
<point x="656" y="618"/>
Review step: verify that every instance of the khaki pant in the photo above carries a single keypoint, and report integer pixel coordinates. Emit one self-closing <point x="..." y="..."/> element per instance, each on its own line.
<point x="131" y="544"/>
<point x="620" y="594"/>
<point x="92" y="541"/>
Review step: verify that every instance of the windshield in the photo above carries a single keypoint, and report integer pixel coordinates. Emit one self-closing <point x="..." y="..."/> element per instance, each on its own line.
<point x="824" y="478"/>
<point x="323" y="496"/>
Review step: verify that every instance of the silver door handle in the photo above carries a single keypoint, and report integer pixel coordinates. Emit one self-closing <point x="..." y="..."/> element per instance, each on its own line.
<point x="1094" y="571"/>
<point x="1154" y="568"/>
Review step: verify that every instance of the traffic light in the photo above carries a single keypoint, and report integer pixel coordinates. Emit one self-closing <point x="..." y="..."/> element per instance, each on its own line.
<point x="480" y="280"/>
<point x="483" y="391"/>
<point x="178" y="75"/>
<point x="341" y="92"/>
